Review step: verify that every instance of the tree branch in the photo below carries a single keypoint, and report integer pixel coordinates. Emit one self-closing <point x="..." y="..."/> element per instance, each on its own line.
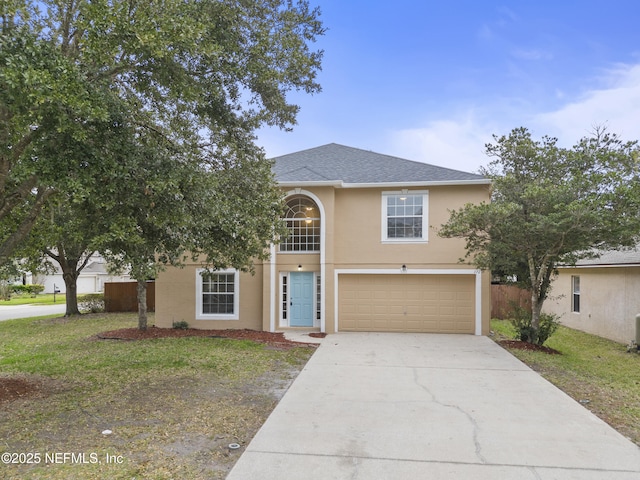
<point x="9" y="245"/>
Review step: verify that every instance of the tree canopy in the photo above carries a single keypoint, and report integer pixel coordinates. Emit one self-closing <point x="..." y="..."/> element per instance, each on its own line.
<point x="551" y="206"/>
<point x="140" y="116"/>
<point x="199" y="76"/>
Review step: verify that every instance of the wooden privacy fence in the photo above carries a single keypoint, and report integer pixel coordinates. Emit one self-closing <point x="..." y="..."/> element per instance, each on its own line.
<point x="502" y="297"/>
<point x="123" y="296"/>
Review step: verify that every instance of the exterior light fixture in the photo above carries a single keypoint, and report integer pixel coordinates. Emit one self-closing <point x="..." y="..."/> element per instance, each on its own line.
<point x="403" y="269"/>
<point x="299" y="268"/>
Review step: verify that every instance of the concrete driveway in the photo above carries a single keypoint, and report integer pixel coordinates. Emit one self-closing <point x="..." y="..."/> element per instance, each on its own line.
<point x="383" y="406"/>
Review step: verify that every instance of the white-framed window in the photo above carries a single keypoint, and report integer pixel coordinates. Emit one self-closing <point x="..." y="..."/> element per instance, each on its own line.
<point x="575" y="294"/>
<point x="303" y="221"/>
<point x="404" y="216"/>
<point x="217" y="294"/>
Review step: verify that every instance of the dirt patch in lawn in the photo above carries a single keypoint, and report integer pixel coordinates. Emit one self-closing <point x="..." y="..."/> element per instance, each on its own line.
<point x="25" y="386"/>
<point x="274" y="340"/>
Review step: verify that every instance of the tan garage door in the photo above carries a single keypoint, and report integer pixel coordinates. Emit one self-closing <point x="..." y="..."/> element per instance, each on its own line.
<point x="406" y="303"/>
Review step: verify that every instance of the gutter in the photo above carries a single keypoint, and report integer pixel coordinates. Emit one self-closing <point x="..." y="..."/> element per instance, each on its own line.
<point x="341" y="184"/>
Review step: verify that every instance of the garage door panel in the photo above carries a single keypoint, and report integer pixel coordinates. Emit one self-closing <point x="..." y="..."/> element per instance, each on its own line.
<point x="407" y="303"/>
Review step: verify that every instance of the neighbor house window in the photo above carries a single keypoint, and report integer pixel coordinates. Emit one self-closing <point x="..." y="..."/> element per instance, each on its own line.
<point x="303" y="221"/>
<point x="404" y="216"/>
<point x="217" y="295"/>
<point x="575" y="294"/>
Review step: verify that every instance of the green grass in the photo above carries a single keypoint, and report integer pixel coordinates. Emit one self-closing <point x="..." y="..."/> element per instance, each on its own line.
<point x="597" y="372"/>
<point x="173" y="404"/>
<point x="43" y="298"/>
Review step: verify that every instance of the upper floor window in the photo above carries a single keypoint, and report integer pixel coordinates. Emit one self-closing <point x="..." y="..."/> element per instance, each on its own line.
<point x="404" y="216"/>
<point x="303" y="221"/>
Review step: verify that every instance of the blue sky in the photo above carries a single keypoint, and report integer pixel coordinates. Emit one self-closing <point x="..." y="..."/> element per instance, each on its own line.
<point x="433" y="80"/>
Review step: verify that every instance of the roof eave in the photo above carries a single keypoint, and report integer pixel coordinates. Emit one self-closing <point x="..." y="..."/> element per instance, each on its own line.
<point x="341" y="184"/>
<point x="600" y="265"/>
<point x="312" y="183"/>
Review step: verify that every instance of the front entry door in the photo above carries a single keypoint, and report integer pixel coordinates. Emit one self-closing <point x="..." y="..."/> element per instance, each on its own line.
<point x="301" y="299"/>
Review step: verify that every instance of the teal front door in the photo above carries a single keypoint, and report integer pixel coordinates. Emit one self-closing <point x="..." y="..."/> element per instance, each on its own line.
<point x="301" y="299"/>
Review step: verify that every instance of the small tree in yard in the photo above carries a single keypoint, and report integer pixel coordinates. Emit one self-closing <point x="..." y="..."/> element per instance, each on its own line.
<point x="173" y="207"/>
<point x="551" y="206"/>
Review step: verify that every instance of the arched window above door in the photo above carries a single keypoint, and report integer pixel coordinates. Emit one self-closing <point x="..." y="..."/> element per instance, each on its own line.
<point x="303" y="221"/>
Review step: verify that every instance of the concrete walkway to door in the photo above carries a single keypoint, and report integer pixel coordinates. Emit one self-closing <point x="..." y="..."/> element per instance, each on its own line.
<point x="385" y="406"/>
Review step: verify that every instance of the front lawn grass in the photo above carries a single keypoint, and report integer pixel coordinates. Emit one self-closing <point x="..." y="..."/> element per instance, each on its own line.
<point x="173" y="405"/>
<point x="40" y="299"/>
<point x="596" y="372"/>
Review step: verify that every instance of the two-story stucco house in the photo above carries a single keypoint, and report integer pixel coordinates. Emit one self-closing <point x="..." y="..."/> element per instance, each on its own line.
<point x="363" y="254"/>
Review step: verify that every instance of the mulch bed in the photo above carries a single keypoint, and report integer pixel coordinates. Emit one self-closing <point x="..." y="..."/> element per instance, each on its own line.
<point x="520" y="345"/>
<point x="317" y="334"/>
<point x="274" y="340"/>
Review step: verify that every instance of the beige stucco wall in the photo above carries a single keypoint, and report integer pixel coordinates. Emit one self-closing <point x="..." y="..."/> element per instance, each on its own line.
<point x="609" y="301"/>
<point x="176" y="300"/>
<point x="358" y="218"/>
<point x="352" y="229"/>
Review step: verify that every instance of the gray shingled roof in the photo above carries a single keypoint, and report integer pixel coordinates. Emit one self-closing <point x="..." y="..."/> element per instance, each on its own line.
<point x="337" y="163"/>
<point x="614" y="257"/>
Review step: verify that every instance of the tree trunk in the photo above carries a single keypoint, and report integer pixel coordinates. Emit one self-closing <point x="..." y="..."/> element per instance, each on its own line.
<point x="142" y="304"/>
<point x="70" y="276"/>
<point x="536" y="309"/>
<point x="70" y="272"/>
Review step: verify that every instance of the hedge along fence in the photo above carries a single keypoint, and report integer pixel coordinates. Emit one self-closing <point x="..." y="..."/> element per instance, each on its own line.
<point x="504" y="296"/>
<point x="123" y="296"/>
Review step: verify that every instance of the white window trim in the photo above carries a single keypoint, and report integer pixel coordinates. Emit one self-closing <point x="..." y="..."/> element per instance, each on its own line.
<point x="284" y="322"/>
<point x="320" y="220"/>
<point x="236" y="297"/>
<point x="425" y="217"/>
<point x="574" y="293"/>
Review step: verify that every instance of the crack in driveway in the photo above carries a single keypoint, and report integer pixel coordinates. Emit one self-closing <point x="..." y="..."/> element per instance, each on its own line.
<point x="474" y="424"/>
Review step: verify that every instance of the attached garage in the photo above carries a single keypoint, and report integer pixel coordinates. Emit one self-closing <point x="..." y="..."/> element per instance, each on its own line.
<point x="425" y="303"/>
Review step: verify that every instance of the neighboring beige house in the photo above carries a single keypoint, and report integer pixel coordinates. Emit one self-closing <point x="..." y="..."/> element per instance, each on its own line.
<point x="363" y="254"/>
<point x="599" y="296"/>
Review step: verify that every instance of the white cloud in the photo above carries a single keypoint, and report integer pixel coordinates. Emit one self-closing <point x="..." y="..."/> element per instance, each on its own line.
<point x="616" y="105"/>
<point x="451" y="143"/>
<point x="458" y="142"/>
